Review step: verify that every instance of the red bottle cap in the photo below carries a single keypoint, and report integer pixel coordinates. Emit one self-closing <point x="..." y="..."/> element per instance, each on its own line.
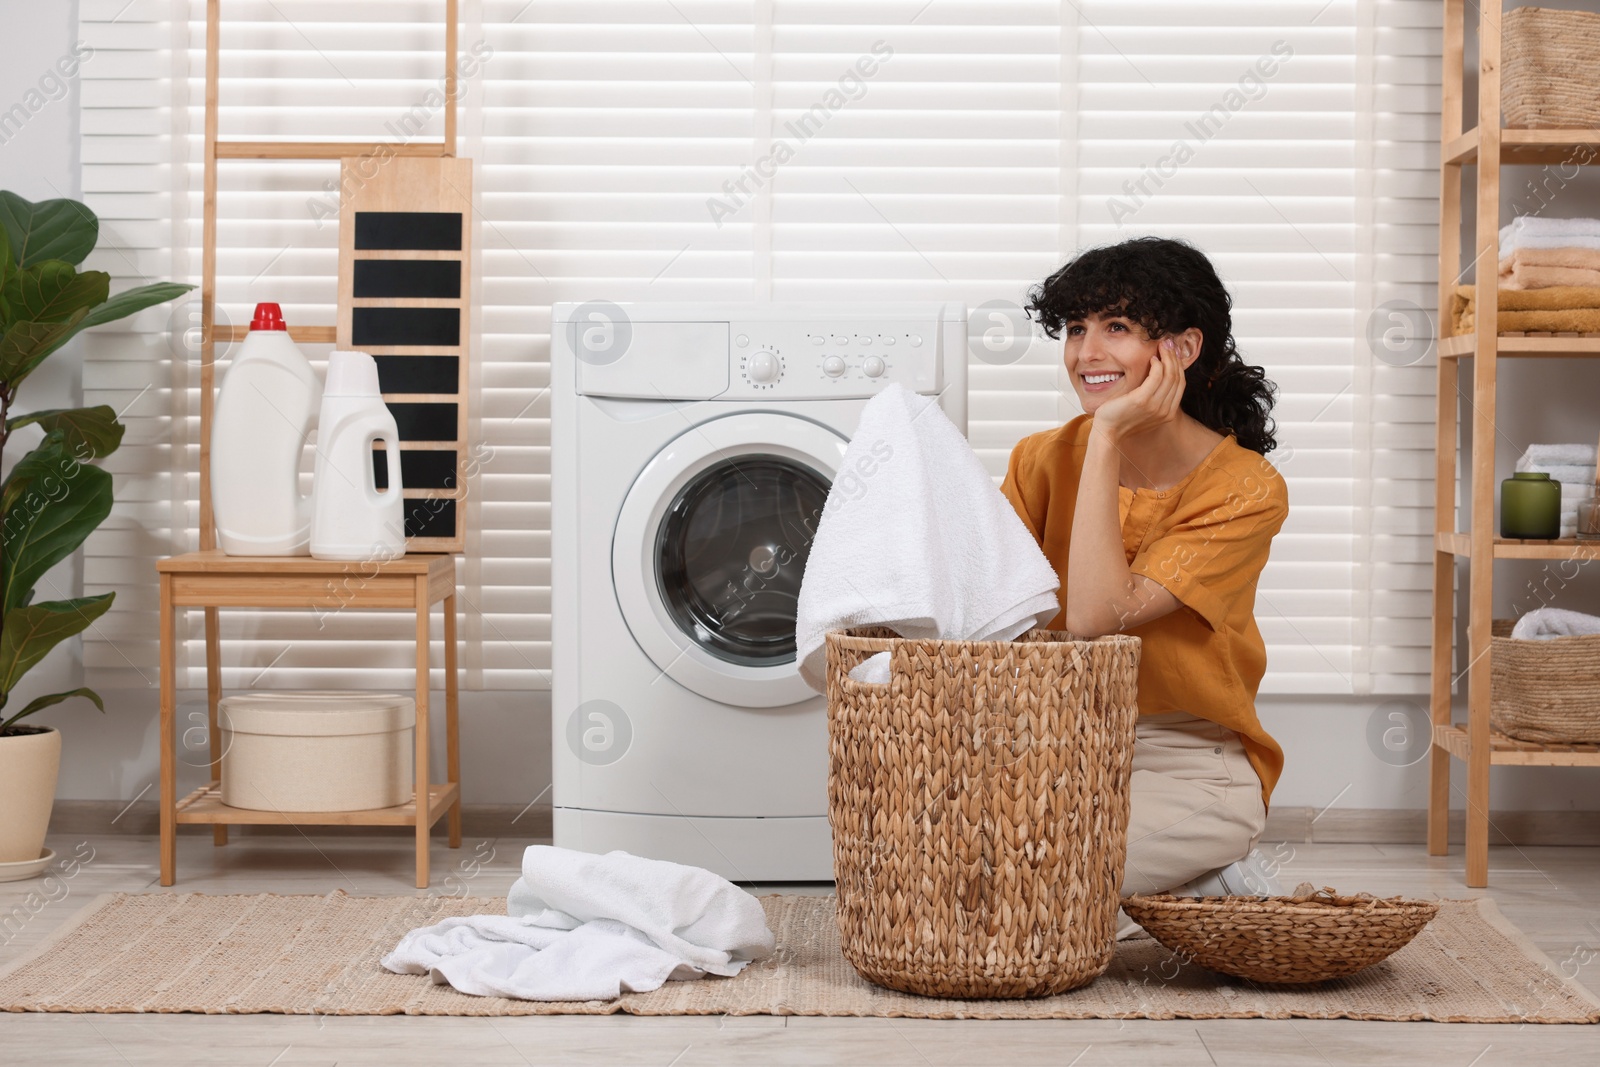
<point x="268" y="317"/>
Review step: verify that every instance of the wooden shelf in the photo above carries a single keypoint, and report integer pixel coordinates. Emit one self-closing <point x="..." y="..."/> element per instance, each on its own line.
<point x="1528" y="147"/>
<point x="301" y="150"/>
<point x="1464" y="346"/>
<point x="205" y="805"/>
<point x="1509" y="548"/>
<point x="1504" y="750"/>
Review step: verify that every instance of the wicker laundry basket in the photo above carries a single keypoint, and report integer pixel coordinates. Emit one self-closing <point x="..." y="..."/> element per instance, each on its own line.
<point x="979" y="803"/>
<point x="1550" y="69"/>
<point x="1545" y="691"/>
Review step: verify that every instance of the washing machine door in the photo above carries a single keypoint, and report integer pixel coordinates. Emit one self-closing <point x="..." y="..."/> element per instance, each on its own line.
<point x="709" y="549"/>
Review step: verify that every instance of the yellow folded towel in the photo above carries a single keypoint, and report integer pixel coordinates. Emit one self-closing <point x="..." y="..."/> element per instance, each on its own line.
<point x="1560" y="309"/>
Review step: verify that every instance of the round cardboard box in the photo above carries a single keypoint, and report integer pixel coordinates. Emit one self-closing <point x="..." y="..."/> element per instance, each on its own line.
<point x="317" y="750"/>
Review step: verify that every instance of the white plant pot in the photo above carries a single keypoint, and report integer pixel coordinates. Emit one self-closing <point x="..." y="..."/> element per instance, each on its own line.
<point x="28" y="766"/>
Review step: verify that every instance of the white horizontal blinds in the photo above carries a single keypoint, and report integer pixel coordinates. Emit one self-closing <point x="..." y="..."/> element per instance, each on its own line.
<point x="1232" y="126"/>
<point x="606" y="126"/>
<point x="927" y="158"/>
<point x="129" y="171"/>
<point x="1405" y="247"/>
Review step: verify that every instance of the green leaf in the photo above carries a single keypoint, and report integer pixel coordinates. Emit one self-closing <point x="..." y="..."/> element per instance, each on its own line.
<point x="27" y="344"/>
<point x="52" y="699"/>
<point x="126" y="303"/>
<point x="50" y="229"/>
<point x="30" y="633"/>
<point x="51" y="291"/>
<point x="88" y="433"/>
<point x="53" y="507"/>
<point x="5" y="270"/>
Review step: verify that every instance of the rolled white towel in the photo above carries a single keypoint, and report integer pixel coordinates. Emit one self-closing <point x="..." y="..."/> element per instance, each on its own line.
<point x="1546" y="624"/>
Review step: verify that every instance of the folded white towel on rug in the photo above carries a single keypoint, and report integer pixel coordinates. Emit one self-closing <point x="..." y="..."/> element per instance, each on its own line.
<point x="586" y="927"/>
<point x="1545" y="624"/>
<point x="915" y="536"/>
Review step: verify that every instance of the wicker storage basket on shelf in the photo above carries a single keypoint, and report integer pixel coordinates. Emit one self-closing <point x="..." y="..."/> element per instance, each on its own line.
<point x="979" y="803"/>
<point x="1550" y="69"/>
<point x="1308" y="937"/>
<point x="1544" y="690"/>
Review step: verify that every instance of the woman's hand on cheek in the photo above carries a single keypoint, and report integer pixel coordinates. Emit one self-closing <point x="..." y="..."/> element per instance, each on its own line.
<point x="1153" y="403"/>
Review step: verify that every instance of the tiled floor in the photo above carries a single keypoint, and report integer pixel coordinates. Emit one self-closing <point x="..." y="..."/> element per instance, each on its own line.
<point x="1553" y="894"/>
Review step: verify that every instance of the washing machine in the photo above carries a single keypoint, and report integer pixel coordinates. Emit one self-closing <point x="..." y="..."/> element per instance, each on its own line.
<point x="692" y="449"/>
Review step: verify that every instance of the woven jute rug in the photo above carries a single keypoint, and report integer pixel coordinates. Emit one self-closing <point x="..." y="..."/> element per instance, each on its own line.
<point x="311" y="955"/>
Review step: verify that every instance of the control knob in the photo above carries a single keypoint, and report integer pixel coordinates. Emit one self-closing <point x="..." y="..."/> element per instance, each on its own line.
<point x="763" y="367"/>
<point x="873" y="367"/>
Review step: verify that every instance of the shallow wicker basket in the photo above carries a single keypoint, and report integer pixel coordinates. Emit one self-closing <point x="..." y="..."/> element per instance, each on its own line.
<point x="1550" y="69"/>
<point x="979" y="804"/>
<point x="1307" y="937"/>
<point x="1544" y="690"/>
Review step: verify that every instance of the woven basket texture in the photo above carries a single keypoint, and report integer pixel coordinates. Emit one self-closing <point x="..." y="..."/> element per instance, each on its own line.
<point x="979" y="804"/>
<point x="1550" y="69"/>
<point x="1308" y="937"/>
<point x="1544" y="690"/>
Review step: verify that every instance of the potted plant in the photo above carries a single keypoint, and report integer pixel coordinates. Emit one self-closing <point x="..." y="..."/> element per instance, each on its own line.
<point x="53" y="497"/>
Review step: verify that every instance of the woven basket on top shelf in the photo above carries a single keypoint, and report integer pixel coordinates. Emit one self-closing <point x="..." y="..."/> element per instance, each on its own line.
<point x="979" y="804"/>
<point x="1306" y="937"/>
<point x="1550" y="69"/>
<point x="1545" y="691"/>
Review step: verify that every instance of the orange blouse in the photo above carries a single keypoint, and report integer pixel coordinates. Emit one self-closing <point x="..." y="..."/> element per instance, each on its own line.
<point x="1205" y="540"/>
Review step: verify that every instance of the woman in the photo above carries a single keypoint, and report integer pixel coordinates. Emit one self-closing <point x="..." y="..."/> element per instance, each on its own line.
<point x="1157" y="508"/>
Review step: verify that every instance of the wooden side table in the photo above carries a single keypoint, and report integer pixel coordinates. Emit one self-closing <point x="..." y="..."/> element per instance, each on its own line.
<point x="211" y="580"/>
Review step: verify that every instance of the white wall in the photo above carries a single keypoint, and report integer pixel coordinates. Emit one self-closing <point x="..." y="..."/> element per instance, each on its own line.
<point x="1336" y="752"/>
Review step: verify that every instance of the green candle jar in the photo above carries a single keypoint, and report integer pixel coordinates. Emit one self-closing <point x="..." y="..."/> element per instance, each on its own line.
<point x="1530" y="507"/>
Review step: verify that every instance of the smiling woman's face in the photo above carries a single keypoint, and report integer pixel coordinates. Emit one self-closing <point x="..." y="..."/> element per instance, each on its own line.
<point x="1107" y="356"/>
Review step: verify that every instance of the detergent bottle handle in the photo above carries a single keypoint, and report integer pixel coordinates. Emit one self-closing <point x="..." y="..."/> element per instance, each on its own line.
<point x="381" y="430"/>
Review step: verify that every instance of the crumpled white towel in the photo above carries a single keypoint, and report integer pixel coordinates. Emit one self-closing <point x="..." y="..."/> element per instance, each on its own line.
<point x="586" y="927"/>
<point x="915" y="536"/>
<point x="1546" y="624"/>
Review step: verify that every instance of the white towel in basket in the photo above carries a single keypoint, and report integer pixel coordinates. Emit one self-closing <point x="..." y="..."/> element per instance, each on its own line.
<point x="916" y="536"/>
<point x="1546" y="624"/>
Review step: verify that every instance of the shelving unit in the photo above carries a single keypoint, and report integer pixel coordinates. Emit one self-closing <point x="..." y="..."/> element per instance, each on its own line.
<point x="210" y="580"/>
<point x="1488" y="146"/>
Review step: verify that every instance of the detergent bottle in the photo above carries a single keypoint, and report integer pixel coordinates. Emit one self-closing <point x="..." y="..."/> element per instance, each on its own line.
<point x="353" y="519"/>
<point x="265" y="410"/>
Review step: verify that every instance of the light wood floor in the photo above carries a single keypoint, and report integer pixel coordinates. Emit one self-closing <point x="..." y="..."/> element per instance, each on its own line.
<point x="1553" y="894"/>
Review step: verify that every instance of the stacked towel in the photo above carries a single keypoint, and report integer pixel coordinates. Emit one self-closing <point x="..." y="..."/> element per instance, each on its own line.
<point x="585" y="927"/>
<point x="916" y="537"/>
<point x="1547" y="624"/>
<point x="1561" y="309"/>
<point x="1540" y="253"/>
<point x="1571" y="465"/>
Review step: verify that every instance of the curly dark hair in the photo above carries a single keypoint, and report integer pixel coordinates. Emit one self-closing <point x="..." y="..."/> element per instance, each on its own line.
<point x="1168" y="286"/>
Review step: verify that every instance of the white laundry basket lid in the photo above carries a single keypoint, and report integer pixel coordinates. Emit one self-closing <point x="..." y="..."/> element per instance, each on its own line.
<point x="316" y="713"/>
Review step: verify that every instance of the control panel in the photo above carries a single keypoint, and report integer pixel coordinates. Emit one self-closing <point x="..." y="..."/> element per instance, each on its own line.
<point x="825" y="360"/>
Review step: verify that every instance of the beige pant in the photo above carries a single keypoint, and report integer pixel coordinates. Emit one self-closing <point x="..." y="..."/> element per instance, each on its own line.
<point x="1196" y="802"/>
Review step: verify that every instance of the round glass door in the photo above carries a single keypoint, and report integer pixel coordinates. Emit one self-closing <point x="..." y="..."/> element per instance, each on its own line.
<point x="730" y="554"/>
<point x="709" y="549"/>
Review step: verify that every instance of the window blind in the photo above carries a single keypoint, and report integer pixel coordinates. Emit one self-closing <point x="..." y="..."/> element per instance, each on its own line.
<point x="806" y="150"/>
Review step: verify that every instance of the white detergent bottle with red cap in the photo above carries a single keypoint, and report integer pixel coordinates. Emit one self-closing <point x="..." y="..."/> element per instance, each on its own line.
<point x="354" y="519"/>
<point x="265" y="410"/>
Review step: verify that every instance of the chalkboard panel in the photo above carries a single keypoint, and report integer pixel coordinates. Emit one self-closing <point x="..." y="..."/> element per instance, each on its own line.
<point x="430" y="230"/>
<point x="430" y="327"/>
<point x="419" y="374"/>
<point x="430" y="518"/>
<point x="425" y="422"/>
<point x="419" y="469"/>
<point x="436" y="278"/>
